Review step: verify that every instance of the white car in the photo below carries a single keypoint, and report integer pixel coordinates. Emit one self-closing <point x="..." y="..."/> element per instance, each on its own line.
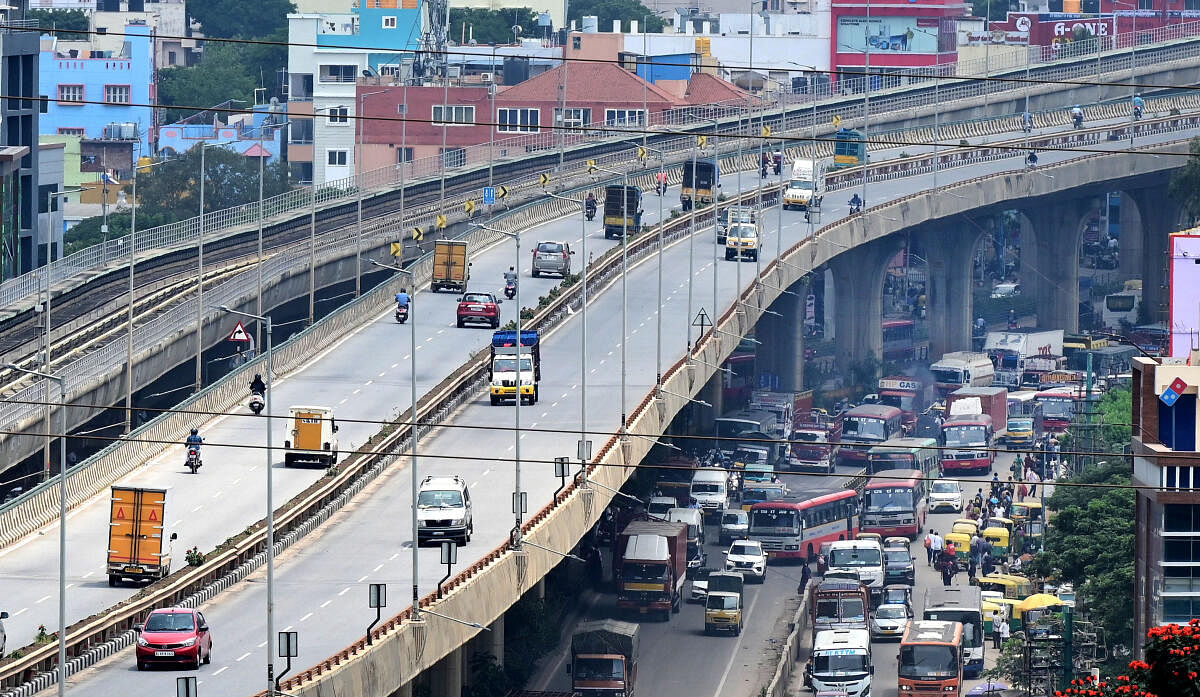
<point x="888" y="621"/>
<point x="748" y="557"/>
<point x="444" y="510"/>
<point x="946" y="494"/>
<point x="659" y="505"/>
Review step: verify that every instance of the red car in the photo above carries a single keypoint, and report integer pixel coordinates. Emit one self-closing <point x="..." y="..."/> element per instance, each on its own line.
<point x="479" y="307"/>
<point x="177" y="636"/>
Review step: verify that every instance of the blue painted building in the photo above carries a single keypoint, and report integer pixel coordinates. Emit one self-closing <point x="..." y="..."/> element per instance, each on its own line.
<point x="88" y="90"/>
<point x="396" y="28"/>
<point x="653" y="68"/>
<point x="242" y="138"/>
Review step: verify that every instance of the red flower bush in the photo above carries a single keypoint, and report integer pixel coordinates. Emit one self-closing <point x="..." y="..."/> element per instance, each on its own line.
<point x="1171" y="668"/>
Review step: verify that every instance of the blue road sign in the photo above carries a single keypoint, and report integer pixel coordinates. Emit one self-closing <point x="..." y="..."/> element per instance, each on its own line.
<point x="489" y="195"/>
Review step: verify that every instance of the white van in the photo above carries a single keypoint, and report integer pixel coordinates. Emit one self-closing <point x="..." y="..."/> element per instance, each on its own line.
<point x="841" y="662"/>
<point x="807" y="185"/>
<point x="710" y="488"/>
<point x="864" y="557"/>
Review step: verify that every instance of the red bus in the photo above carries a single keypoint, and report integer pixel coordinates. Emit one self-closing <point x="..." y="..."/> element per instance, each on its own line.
<point x="866" y="426"/>
<point x="968" y="444"/>
<point x="794" y="528"/>
<point x="896" y="504"/>
<point x="1058" y="408"/>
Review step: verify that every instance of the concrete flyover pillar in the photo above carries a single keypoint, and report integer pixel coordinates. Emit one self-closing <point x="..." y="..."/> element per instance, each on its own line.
<point x="495" y="639"/>
<point x="406" y="690"/>
<point x="484" y="646"/>
<point x="858" y="284"/>
<point x="1159" y="218"/>
<point x="782" y="351"/>
<point x="1057" y="226"/>
<point x="446" y="676"/>
<point x="713" y="392"/>
<point x="949" y="251"/>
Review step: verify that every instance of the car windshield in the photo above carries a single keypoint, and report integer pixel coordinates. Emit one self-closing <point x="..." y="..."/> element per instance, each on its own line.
<point x="733" y="519"/>
<point x="170" y="622"/>
<point x="965" y="435"/>
<point x="928" y="661"/>
<point x="890" y="499"/>
<point x="802" y="184"/>
<point x="897" y="555"/>
<point x="854" y="557"/>
<point x="891" y="612"/>
<point x="864" y="428"/>
<point x="550" y="247"/>
<point x="600" y="669"/>
<point x="509" y="365"/>
<point x="743" y="231"/>
<point x="722" y="602"/>
<point x="745" y="549"/>
<point x="440" y="499"/>
<point x="945" y="487"/>
<point x="477" y="298"/>
<point x="839" y="663"/>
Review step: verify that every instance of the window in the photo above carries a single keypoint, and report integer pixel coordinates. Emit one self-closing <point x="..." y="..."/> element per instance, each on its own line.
<point x="518" y="120"/>
<point x="391" y="70"/>
<point x="624" y="117"/>
<point x="576" y="43"/>
<point x="1181" y="517"/>
<point x="574" y="117"/>
<point x="1191" y="4"/>
<point x="454" y="157"/>
<point x="389" y="22"/>
<point x="70" y="93"/>
<point x="171" y="59"/>
<point x="404" y="155"/>
<point x="335" y="158"/>
<point x="338" y="114"/>
<point x="72" y="132"/>
<point x="44" y="104"/>
<point x="338" y="73"/>
<point x="116" y="94"/>
<point x="453" y="115"/>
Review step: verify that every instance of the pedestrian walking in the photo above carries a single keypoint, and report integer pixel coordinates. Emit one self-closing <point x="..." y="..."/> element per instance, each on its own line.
<point x="805" y="576"/>
<point x="929" y="548"/>
<point x="996" y="620"/>
<point x="972" y="565"/>
<point x="1022" y="491"/>
<point x="939" y="545"/>
<point x="948" y="570"/>
<point x="1004" y="632"/>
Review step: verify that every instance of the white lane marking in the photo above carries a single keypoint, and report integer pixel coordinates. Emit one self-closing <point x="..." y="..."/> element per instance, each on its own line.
<point x="326" y="603"/>
<point x="368" y="382"/>
<point x="733" y="655"/>
<point x="70" y="585"/>
<point x="218" y="672"/>
<point x="441" y="331"/>
<point x="360" y="580"/>
<point x="344" y="399"/>
<point x="344" y="591"/>
<point x="19" y="612"/>
<point x="593" y="370"/>
<point x="243" y="656"/>
<point x="418" y="348"/>
<point x="287" y="628"/>
<point x="197" y="508"/>
<point x="382" y="374"/>
<point x="236" y="480"/>
<point x="554" y="404"/>
<point x="88" y="574"/>
<point x="306" y="617"/>
<point x="377" y="568"/>
<point x="41" y="600"/>
<point x="610" y="353"/>
<point x="216" y="495"/>
<point x="176" y="523"/>
<point x="540" y="417"/>
<point x="396" y="365"/>
<point x="573" y="387"/>
<point x="487" y="471"/>
<point x="406" y="357"/>
<point x="357" y="391"/>
<point x="393" y="556"/>
<point x="262" y="644"/>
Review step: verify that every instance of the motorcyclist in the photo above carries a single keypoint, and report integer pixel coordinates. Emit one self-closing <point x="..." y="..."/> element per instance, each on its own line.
<point x="195" y="441"/>
<point x="1027" y="121"/>
<point x="510" y="276"/>
<point x="1031" y="160"/>
<point x="590" y="204"/>
<point x="1139" y="105"/>
<point x="402" y="298"/>
<point x="855" y="203"/>
<point x="257" y="386"/>
<point x="661" y="178"/>
<point x="1077" y="115"/>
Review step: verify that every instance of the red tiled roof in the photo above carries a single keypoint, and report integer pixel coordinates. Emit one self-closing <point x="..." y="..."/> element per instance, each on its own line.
<point x="257" y="150"/>
<point x="589" y="82"/>
<point x="710" y="89"/>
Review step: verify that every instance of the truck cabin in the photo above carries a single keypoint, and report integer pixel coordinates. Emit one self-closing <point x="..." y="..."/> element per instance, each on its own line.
<point x="694" y="520"/>
<point x="839" y="603"/>
<point x="604" y="671"/>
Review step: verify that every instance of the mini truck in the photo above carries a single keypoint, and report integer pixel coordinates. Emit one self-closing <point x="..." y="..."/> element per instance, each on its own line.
<point x="806" y="187"/>
<point x="700" y="181"/>
<point x="503" y="368"/>
<point x="622" y="211"/>
<point x="136" y="531"/>
<point x="650" y="563"/>
<point x="604" y="657"/>
<point x="451" y="266"/>
<point x="311" y="439"/>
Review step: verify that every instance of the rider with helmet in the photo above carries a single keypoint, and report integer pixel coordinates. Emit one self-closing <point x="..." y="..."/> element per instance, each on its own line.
<point x="402" y="298"/>
<point x="195" y="441"/>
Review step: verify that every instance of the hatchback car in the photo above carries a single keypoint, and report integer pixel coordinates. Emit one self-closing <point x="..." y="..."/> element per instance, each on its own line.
<point x="889" y="621"/>
<point x="175" y="636"/>
<point x="479" y="307"/>
<point x="748" y="557"/>
<point x="741" y="241"/>
<point x="552" y="257"/>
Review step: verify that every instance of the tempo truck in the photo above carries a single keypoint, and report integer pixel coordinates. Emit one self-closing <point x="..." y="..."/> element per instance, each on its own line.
<point x="650" y="564"/>
<point x="604" y="657"/>
<point x="622" y="211"/>
<point x="136" y="531"/>
<point x="451" y="266"/>
<point x="700" y="182"/>
<point x="503" y="368"/>
<point x="807" y="185"/>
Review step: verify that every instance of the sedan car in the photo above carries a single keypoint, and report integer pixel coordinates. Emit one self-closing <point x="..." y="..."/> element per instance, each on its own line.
<point x="176" y="636"/>
<point x="748" y="557"/>
<point x="552" y="257"/>
<point x="889" y="621"/>
<point x="479" y="307"/>
<point x="898" y="567"/>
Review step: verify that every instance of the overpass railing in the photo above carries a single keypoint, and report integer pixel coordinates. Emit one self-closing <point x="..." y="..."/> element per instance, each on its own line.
<point x="218" y="223"/>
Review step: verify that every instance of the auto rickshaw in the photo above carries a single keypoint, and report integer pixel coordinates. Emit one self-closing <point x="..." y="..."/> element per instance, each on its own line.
<point x="1026" y="510"/>
<point x="896" y="542"/>
<point x="1016" y="616"/>
<point x="1010" y="588"/>
<point x="989" y="606"/>
<point x="962" y="548"/>
<point x="870" y="536"/>
<point x="1024" y="585"/>
<point x="965" y="525"/>
<point x="999" y="538"/>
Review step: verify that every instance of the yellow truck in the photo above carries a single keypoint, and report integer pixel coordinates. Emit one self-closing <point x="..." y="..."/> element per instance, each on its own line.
<point x="451" y="266"/>
<point x="311" y="439"/>
<point x="136" y="532"/>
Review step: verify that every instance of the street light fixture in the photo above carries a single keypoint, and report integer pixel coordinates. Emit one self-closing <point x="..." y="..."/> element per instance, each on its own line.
<point x="415" y="435"/>
<point x="62" y="518"/>
<point x="265" y="320"/>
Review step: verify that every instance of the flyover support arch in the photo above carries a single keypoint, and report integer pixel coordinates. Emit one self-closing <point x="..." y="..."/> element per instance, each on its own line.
<point x="950" y="251"/>
<point x="858" y="287"/>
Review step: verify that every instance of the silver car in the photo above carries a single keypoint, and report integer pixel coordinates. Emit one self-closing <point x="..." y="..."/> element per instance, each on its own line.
<point x="552" y="257"/>
<point x="889" y="621"/>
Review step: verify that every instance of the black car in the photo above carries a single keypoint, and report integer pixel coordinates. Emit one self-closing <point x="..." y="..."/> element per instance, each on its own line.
<point x="899" y="567"/>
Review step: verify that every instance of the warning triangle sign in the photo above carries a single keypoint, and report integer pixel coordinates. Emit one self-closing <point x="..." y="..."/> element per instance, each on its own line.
<point x="153" y="516"/>
<point x="240" y="334"/>
<point x="120" y="514"/>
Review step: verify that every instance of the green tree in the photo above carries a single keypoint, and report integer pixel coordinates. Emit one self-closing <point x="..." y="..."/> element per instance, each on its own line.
<point x="491" y="26"/>
<point x="608" y="10"/>
<point x="233" y="19"/>
<point x="219" y="76"/>
<point x="1115" y="430"/>
<point x="60" y="20"/>
<point x="1185" y="182"/>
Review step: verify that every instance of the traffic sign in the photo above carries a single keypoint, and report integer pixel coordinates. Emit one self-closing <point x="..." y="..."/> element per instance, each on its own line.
<point x="239" y="333"/>
<point x="397" y="249"/>
<point x="702" y="141"/>
<point x="418" y="234"/>
<point x="766" y="131"/>
<point x="489" y="195"/>
<point x="837" y="121"/>
<point x="543" y="179"/>
<point x="702" y="320"/>
<point x="469" y="206"/>
<point x="501" y="191"/>
<point x="641" y="152"/>
<point x="591" y="166"/>
<point x="441" y="221"/>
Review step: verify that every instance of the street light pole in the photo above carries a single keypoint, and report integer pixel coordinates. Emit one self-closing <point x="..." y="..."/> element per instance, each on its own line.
<point x="200" y="281"/>
<point x="583" y="311"/>
<point x="266" y="321"/>
<point x="62" y="520"/>
<point x="129" y="306"/>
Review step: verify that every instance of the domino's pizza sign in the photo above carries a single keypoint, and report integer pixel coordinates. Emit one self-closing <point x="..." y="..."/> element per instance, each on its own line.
<point x="1173" y="392"/>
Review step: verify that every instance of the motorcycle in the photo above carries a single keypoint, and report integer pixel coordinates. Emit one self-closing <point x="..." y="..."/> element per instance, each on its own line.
<point x="256" y="402"/>
<point x="510" y="289"/>
<point x="855" y="207"/>
<point x="193" y="458"/>
<point x="1137" y="113"/>
<point x="1078" y="119"/>
<point x="590" y="211"/>
<point x="660" y="188"/>
<point x="402" y="313"/>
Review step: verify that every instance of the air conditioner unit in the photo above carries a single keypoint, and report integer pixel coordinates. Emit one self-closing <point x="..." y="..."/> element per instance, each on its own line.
<point x="487" y="77"/>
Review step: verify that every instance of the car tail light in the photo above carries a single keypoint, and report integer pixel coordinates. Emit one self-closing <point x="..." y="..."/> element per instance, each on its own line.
<point x="565" y="253"/>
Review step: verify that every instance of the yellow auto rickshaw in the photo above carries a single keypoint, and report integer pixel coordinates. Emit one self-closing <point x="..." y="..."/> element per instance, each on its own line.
<point x="870" y="536"/>
<point x="962" y="548"/>
<point x="1015" y="615"/>
<point x="999" y="538"/>
<point x="1024" y="585"/>
<point x="1026" y="511"/>
<point x="896" y="542"/>
<point x="965" y="527"/>
<point x="988" y="607"/>
<point x="1009" y="587"/>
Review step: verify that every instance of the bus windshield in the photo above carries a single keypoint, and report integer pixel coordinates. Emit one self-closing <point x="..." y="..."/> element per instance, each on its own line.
<point x="774" y="522"/>
<point x="928" y="661"/>
<point x="1057" y="406"/>
<point x="965" y="435"/>
<point x="890" y="499"/>
<point x="891" y="461"/>
<point x="866" y="428"/>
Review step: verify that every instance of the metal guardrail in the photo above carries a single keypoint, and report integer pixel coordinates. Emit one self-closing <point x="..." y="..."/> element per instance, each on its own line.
<point x="217" y="223"/>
